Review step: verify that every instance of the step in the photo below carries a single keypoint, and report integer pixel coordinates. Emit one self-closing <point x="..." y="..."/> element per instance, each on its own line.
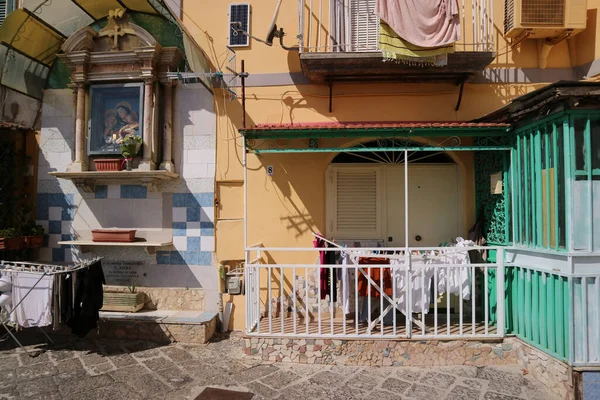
<point x="162" y="326"/>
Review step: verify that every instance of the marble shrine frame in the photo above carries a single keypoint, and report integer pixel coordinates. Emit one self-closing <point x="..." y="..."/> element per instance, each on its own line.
<point x="123" y="53"/>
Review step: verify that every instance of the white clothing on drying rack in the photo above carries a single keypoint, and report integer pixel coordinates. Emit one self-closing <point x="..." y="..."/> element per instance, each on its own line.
<point x="420" y="288"/>
<point x="5" y="282"/>
<point x="456" y="277"/>
<point x="345" y="282"/>
<point x="35" y="309"/>
<point x="6" y="301"/>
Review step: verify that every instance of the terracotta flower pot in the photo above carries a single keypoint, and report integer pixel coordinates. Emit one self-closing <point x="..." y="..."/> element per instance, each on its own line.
<point x="33" y="242"/>
<point x="14" y="243"/>
<point x="108" y="164"/>
<point x="113" y="235"/>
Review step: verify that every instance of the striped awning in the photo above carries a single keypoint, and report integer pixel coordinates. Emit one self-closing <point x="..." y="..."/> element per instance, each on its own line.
<point x="31" y="37"/>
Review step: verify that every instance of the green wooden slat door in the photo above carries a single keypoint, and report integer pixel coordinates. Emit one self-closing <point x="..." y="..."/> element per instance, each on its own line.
<point x="543" y="326"/>
<point x="535" y="327"/>
<point x="527" y="283"/>
<point x="551" y="327"/>
<point x="560" y="316"/>
<point x="521" y="302"/>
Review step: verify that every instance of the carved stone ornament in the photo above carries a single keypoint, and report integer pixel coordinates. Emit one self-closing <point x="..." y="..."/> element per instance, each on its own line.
<point x="118" y="26"/>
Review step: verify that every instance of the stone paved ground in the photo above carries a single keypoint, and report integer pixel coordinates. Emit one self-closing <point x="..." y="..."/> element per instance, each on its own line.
<point x="105" y="369"/>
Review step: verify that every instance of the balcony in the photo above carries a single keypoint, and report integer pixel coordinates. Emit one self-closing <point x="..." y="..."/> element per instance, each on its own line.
<point x="344" y="47"/>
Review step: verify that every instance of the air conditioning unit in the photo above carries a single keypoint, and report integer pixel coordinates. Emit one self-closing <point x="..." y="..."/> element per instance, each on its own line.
<point x="541" y="19"/>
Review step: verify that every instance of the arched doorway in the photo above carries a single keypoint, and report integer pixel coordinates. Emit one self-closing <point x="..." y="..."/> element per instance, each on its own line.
<point x="366" y="196"/>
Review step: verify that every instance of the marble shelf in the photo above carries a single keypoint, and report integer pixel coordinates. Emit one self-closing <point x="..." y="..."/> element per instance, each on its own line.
<point x="87" y="180"/>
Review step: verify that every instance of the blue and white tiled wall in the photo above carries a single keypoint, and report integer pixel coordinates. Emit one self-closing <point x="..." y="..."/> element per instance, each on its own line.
<point x="55" y="213"/>
<point x="192" y="220"/>
<point x="591" y="385"/>
<point x="182" y="210"/>
<point x="193" y="230"/>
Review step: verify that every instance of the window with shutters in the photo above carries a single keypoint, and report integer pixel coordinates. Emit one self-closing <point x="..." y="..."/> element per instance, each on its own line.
<point x="3" y="10"/>
<point x="354" y="202"/>
<point x="364" y="25"/>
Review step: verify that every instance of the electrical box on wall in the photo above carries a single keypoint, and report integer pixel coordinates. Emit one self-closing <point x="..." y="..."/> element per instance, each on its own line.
<point x="235" y="280"/>
<point x="496" y="183"/>
<point x="234" y="285"/>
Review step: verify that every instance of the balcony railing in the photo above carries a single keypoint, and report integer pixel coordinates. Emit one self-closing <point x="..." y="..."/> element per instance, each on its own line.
<point x="352" y="26"/>
<point x="420" y="292"/>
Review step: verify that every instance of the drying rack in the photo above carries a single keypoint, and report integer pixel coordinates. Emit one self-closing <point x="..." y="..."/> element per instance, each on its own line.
<point x="42" y="270"/>
<point x="393" y="304"/>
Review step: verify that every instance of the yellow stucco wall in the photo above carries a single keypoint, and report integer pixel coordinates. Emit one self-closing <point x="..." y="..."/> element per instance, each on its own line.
<point x="284" y="209"/>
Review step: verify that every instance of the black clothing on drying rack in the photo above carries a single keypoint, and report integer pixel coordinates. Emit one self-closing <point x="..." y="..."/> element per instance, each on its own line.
<point x="66" y="297"/>
<point x="88" y="299"/>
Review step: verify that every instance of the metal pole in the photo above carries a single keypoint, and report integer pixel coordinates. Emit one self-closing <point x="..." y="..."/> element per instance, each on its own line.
<point x="500" y="277"/>
<point x="408" y="261"/>
<point x="246" y="253"/>
<point x="301" y="26"/>
<point x="406" y="199"/>
<point x="243" y="75"/>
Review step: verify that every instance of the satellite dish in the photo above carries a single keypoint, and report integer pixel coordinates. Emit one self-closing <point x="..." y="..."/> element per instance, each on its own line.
<point x="273" y="26"/>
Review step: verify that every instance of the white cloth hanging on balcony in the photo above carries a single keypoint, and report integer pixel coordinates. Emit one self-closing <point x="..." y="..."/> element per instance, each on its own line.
<point x="345" y="283"/>
<point x="420" y="287"/>
<point x="424" y="23"/>
<point x="456" y="279"/>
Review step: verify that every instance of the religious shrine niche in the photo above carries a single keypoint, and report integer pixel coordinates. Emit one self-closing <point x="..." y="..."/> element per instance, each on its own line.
<point x="122" y="94"/>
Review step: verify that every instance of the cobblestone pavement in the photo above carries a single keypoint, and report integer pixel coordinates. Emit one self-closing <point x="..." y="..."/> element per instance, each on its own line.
<point x="104" y="369"/>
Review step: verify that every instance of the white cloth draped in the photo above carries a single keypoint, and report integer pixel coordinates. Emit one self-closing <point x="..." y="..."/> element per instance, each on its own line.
<point x="424" y="23"/>
<point x="35" y="309"/>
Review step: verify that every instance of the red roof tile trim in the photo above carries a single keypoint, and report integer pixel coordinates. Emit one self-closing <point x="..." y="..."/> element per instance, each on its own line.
<point x="373" y="125"/>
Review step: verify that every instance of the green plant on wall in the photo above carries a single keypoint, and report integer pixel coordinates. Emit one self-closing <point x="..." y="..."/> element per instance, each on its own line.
<point x="9" y="233"/>
<point x="493" y="206"/>
<point x="132" y="287"/>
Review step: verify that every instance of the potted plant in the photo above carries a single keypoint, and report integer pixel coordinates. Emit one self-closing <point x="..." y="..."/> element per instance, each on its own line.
<point x="34" y="237"/>
<point x="130" y="146"/>
<point x="10" y="239"/>
<point x="130" y="301"/>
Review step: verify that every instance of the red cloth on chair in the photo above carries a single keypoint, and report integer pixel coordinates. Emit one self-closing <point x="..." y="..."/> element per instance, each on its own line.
<point x="365" y="288"/>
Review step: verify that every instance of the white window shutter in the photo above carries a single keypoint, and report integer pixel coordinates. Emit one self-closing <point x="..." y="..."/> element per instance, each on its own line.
<point x="3" y="10"/>
<point x="356" y="204"/>
<point x="364" y="25"/>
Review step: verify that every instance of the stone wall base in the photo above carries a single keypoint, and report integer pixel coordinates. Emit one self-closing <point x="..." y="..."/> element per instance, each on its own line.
<point x="555" y="374"/>
<point x="178" y="299"/>
<point x="381" y="353"/>
<point x="157" y="331"/>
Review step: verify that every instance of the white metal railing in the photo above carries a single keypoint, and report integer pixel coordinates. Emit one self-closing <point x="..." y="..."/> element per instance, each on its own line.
<point x="421" y="292"/>
<point x="353" y="26"/>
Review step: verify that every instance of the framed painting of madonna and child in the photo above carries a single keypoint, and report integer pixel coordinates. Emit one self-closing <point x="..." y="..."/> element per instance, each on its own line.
<point x="115" y="113"/>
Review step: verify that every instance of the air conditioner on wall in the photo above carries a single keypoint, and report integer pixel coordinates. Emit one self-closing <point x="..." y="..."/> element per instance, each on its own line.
<point x="541" y="19"/>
